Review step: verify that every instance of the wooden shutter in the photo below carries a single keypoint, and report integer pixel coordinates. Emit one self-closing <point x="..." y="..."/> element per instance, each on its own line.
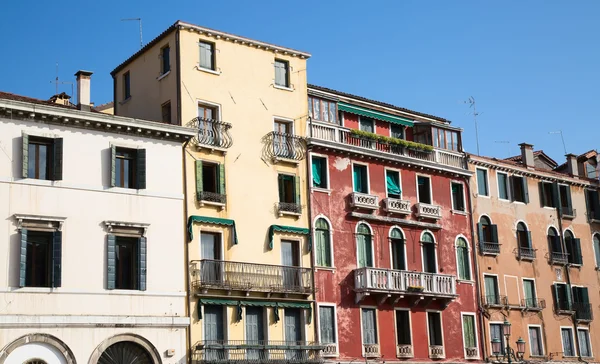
<point x="141" y="169"/>
<point x="525" y="189"/>
<point x="25" y="172"/>
<point x="542" y="188"/>
<point x="369" y="328"/>
<point x="297" y="180"/>
<point x="480" y="233"/>
<point x="23" y="258"/>
<point x="281" y="184"/>
<point x="111" y="266"/>
<point x="57" y="160"/>
<point x="469" y="331"/>
<point x="362" y="250"/>
<point x="369" y="250"/>
<point x="142" y="253"/>
<point x="56" y="259"/>
<point x="577" y="257"/>
<point x="569" y="202"/>
<point x="113" y="166"/>
<point x="494" y="229"/>
<point x="199" y="186"/>
<point x="556" y="296"/>
<point x="511" y="187"/>
<point x="555" y="197"/>
<point x="569" y="296"/>
<point x="529" y="245"/>
<point x="585" y="298"/>
<point x="326" y="316"/>
<point x="222" y="189"/>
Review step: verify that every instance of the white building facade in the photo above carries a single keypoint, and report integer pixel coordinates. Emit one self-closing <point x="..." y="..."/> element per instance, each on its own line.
<point x="91" y="236"/>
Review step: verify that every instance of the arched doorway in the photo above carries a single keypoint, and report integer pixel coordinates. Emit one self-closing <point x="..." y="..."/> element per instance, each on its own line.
<point x="125" y="352"/>
<point x="37" y="349"/>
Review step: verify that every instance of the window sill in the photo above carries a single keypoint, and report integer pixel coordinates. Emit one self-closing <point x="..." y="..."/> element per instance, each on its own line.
<point x="208" y="70"/>
<point x="321" y="190"/>
<point x="519" y="203"/>
<point x="125" y="101"/>
<point x="125" y="189"/>
<point x="211" y="203"/>
<point x="332" y="355"/>
<point x="285" y="160"/>
<point x="284" y="88"/>
<point x="163" y="75"/>
<point x="483" y="196"/>
<point x="288" y="213"/>
<point x="503" y="199"/>
<point x="330" y="269"/>
<point x="459" y="212"/>
<point x="466" y="281"/>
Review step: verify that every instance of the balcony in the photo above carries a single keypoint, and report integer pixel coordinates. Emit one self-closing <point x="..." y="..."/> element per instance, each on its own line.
<point x="212" y="134"/>
<point x="395" y="206"/>
<point x="429" y="211"/>
<point x="212" y="198"/>
<point x="526" y="253"/>
<point x="404" y="351"/>
<point x="371" y="350"/>
<point x="254" y="352"/>
<point x="436" y="352"/>
<point x="569" y="213"/>
<point x="249" y="277"/>
<point x="559" y="258"/>
<point x="486" y="248"/>
<point x="472" y="353"/>
<point x="389" y="282"/>
<point x="329" y="350"/>
<point x="328" y="134"/>
<point x="283" y="146"/>
<point x="494" y="300"/>
<point x="364" y="201"/>
<point x="533" y="304"/>
<point x="289" y="208"/>
<point x="583" y="311"/>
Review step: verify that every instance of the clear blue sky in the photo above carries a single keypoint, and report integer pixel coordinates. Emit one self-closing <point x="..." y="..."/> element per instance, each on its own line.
<point x="532" y="66"/>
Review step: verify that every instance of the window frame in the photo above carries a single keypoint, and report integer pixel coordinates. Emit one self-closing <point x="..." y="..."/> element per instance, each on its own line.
<point x="498" y="292"/>
<point x="487" y="182"/>
<point x="437" y="266"/>
<point x="464" y="199"/>
<point x="366" y="165"/>
<point x="225" y="323"/>
<point x="372" y="121"/>
<point x="372" y="243"/>
<point x="544" y="199"/>
<point x="362" y="334"/>
<point x="402" y="127"/>
<point x="503" y="338"/>
<point x="523" y="279"/>
<point x="524" y="192"/>
<point x="508" y="192"/>
<point x="133" y="170"/>
<point x="294" y="176"/>
<point x="335" y="325"/>
<point x="469" y="263"/>
<point x="596" y="252"/>
<point x="589" y="339"/>
<point x="569" y="255"/>
<point x="162" y="107"/>
<point x="417" y="175"/>
<point x="462" y="321"/>
<point x="541" y="340"/>
<point x="562" y="344"/>
<point x="126" y="86"/>
<point x="405" y="309"/>
<point x="390" y="245"/>
<point x="441" y="328"/>
<point x="322" y="101"/>
<point x="212" y="231"/>
<point x="209" y="105"/>
<point x="135" y="275"/>
<point x="50" y="142"/>
<point x="385" y="170"/>
<point x="163" y="71"/>
<point x="318" y="267"/>
<point x="288" y="83"/>
<point x="321" y="189"/>
<point x="213" y="61"/>
<point x="530" y="242"/>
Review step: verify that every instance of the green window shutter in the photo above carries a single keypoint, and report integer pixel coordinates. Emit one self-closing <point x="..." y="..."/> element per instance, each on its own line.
<point x="298" y="200"/>
<point x="362" y="251"/>
<point x="556" y="296"/>
<point x="23" y="258"/>
<point x="199" y="186"/>
<point x="529" y="239"/>
<point x="113" y="166"/>
<point x="316" y="172"/>
<point x="542" y="188"/>
<point x="25" y="172"/>
<point x="222" y="189"/>
<point x="357" y="179"/>
<point x="569" y="202"/>
<point x="555" y="197"/>
<point x="494" y="229"/>
<point x="480" y="232"/>
<point x="58" y="159"/>
<point x="569" y="296"/>
<point x="281" y="183"/>
<point x="368" y="251"/>
<point x="141" y="169"/>
<point x="577" y="259"/>
<point x="56" y="259"/>
<point x="511" y="187"/>
<point x="585" y="298"/>
<point x="525" y="189"/>
<point x="469" y="331"/>
<point x="142" y="257"/>
<point x="462" y="271"/>
<point x="111" y="266"/>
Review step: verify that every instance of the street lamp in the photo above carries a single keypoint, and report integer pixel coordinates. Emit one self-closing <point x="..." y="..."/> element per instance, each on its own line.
<point x="509" y="354"/>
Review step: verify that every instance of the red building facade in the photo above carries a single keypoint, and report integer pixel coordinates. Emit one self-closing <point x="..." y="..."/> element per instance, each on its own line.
<point x="393" y="242"/>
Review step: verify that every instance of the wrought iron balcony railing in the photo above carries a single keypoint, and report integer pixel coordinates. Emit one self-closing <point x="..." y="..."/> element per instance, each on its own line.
<point x="526" y="253"/>
<point x="486" y="248"/>
<point x="437" y="352"/>
<point x="247" y="277"/>
<point x="494" y="300"/>
<point x="291" y="208"/>
<point x="399" y="281"/>
<point x="397" y="206"/>
<point x="583" y="311"/>
<point x="285" y="146"/>
<point x="211" y="133"/>
<point x="365" y="201"/>
<point x="429" y="211"/>
<point x="533" y="304"/>
<point x="255" y="352"/>
<point x="559" y="258"/>
<point x="212" y="197"/>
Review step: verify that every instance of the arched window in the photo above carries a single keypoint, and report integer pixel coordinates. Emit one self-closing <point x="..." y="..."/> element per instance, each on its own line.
<point x="428" y="251"/>
<point x="555" y="247"/>
<point x="524" y="242"/>
<point x="596" y="241"/>
<point x="322" y="243"/>
<point x="397" y="242"/>
<point x="573" y="247"/>
<point x="364" y="245"/>
<point x="485" y="226"/>
<point x="462" y="259"/>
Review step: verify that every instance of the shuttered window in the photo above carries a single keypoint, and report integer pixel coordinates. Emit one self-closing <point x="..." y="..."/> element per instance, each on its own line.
<point x="282" y="69"/>
<point x="403" y="327"/>
<point x="126" y="262"/>
<point x="327" y="324"/>
<point x="398" y="249"/>
<point x="519" y="189"/>
<point x="496" y="333"/>
<point x="562" y="297"/>
<point x="567" y="341"/>
<point x="529" y="288"/>
<point x="320" y="173"/>
<point x="40" y="258"/>
<point x="392" y="182"/>
<point x="128" y="168"/>
<point x="596" y="242"/>
<point x="573" y="247"/>
<point x="469" y="337"/>
<point x="424" y="189"/>
<point x="492" y="295"/>
<point x="360" y="178"/>
<point x="462" y="259"/>
<point x="369" y="326"/>
<point x="535" y="338"/>
<point x="42" y="158"/>
<point x="210" y="181"/>
<point x="165" y="54"/>
<point x="323" y="243"/>
<point x="364" y="246"/>
<point x="434" y="322"/>
<point x="207" y="55"/>
<point x="458" y="196"/>
<point x="482" y="183"/>
<point x="585" y="348"/>
<point x="502" y="185"/>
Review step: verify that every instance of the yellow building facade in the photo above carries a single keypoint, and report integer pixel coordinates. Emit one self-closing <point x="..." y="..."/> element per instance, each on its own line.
<point x="249" y="244"/>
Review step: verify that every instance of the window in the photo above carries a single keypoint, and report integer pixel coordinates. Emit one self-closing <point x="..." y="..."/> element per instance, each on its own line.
<point x="165" y="59"/>
<point x="502" y="185"/>
<point x="482" y="183"/>
<point x="366" y="124"/>
<point x="128" y="168"/>
<point x="434" y="323"/>
<point x="462" y="259"/>
<point x="207" y="55"/>
<point x="42" y="158"/>
<point x="364" y="245"/>
<point x="422" y="134"/>
<point x="554" y="241"/>
<point x="524" y="242"/>
<point x="573" y="247"/>
<point x="40" y="258"/>
<point x="282" y="73"/>
<point x="596" y="242"/>
<point x="535" y="341"/>
<point x="488" y="233"/>
<point x="290" y="257"/>
<point x="403" y="335"/>
<point x="590" y="169"/>
<point x="519" y="191"/>
<point x="283" y="144"/>
<point x="289" y="189"/>
<point x="323" y="243"/>
<point x="210" y="182"/>
<point x="562" y="297"/>
<point x="496" y="333"/>
<point x="126" y="85"/>
<point x="530" y="297"/>
<point x="327" y="322"/>
<point x="424" y="189"/>
<point x="166" y="112"/>
<point x="396" y="131"/>
<point x="369" y="326"/>
<point x="585" y="349"/>
<point x="207" y="112"/>
<point x="492" y="293"/>
<point x="593" y="204"/>
<point x="548" y="194"/>
<point x="398" y="249"/>
<point x="428" y="251"/>
<point x="458" y="196"/>
<point x="565" y="200"/>
<point x="214" y="321"/>
<point x="360" y="178"/>
<point x="126" y="262"/>
<point x="392" y="181"/>
<point x="445" y="139"/>
<point x="567" y="341"/>
<point x="322" y="110"/>
<point x="581" y="304"/>
<point x="469" y="331"/>
<point x="320" y="174"/>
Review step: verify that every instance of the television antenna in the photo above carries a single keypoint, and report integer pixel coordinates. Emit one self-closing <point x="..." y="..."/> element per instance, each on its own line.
<point x="471" y="102"/>
<point x="561" y="138"/>
<point x="140" y="21"/>
<point x="58" y="82"/>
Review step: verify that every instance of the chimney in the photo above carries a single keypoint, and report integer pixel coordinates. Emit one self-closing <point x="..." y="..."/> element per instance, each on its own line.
<point x="83" y="89"/>
<point x="527" y="155"/>
<point x="572" y="167"/>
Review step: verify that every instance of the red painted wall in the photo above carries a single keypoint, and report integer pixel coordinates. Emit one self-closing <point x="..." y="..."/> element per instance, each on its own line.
<point x="337" y="286"/>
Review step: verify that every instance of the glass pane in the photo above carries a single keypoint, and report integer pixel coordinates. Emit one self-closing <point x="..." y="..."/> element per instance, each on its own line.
<point x="482" y="187"/>
<point x="31" y="163"/>
<point x="332" y="116"/>
<point x="325" y="111"/>
<point x="435" y="137"/>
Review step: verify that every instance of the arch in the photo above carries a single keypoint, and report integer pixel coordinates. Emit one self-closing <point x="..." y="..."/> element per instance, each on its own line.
<point x="322" y="224"/>
<point x="521" y="226"/>
<point x="427" y="237"/>
<point x="396" y="232"/>
<point x="569" y="234"/>
<point x="429" y="258"/>
<point x="552" y="231"/>
<point x="397" y="242"/>
<point x="321" y="216"/>
<point x="596" y="247"/>
<point x="485" y="220"/>
<point x="49" y="341"/>
<point x="360" y="228"/>
<point x="145" y="344"/>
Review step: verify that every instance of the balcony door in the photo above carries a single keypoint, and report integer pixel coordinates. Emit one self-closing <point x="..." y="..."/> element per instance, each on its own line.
<point x="282" y="142"/>
<point x="293" y="332"/>
<point x="397" y="241"/>
<point x="428" y="249"/>
<point x="214" y="332"/>
<point x="255" y="334"/>
<point x="206" y="127"/>
<point x="492" y="296"/>
<point x="210" y="252"/>
<point x="290" y="259"/>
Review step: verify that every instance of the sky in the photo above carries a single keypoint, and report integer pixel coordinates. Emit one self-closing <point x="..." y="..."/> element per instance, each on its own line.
<point x="531" y="66"/>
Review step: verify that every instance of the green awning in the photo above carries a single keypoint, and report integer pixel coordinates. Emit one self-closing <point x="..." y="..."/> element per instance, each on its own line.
<point x="210" y="220"/>
<point x="374" y="114"/>
<point x="289" y="229"/>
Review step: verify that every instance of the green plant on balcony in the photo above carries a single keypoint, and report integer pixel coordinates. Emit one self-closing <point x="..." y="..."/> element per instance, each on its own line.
<point x="393" y="141"/>
<point x="415" y="288"/>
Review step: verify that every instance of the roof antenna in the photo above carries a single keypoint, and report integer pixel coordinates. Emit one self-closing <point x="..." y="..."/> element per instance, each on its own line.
<point x="561" y="137"/>
<point x="57" y="82"/>
<point x="504" y="142"/>
<point x="471" y="102"/>
<point x="139" y="20"/>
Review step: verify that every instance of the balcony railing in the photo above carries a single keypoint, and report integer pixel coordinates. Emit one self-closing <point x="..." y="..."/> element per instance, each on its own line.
<point x="494" y="300"/>
<point x="212" y="197"/>
<point x="399" y="281"/>
<point x="404" y="351"/>
<point x="429" y="211"/>
<point x="396" y="206"/>
<point x="486" y="248"/>
<point x="559" y="258"/>
<point x="211" y="133"/>
<point x="228" y="275"/>
<point x="526" y="253"/>
<point x="329" y="350"/>
<point x="337" y="134"/>
<point x="290" y="208"/>
<point x="583" y="311"/>
<point x="371" y="350"/>
<point x="533" y="304"/>
<point x="472" y="353"/>
<point x="362" y="200"/>
<point x="255" y="352"/>
<point x="436" y="352"/>
<point x="285" y="146"/>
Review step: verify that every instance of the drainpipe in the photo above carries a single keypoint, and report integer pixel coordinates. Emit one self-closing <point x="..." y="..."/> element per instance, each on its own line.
<point x="315" y="317"/>
<point x="186" y="254"/>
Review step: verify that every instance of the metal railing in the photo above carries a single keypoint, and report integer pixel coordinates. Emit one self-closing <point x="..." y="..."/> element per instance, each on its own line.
<point x="583" y="311"/>
<point x="526" y="253"/>
<point x="259" y="351"/>
<point x="436" y="352"/>
<point x="289" y="207"/>
<point x="494" y="300"/>
<point x="487" y="248"/>
<point x="429" y="211"/>
<point x="533" y="304"/>
<point x="400" y="281"/>
<point x="215" y="197"/>
<point x="222" y="274"/>
<point x="364" y="201"/>
<point x="211" y="132"/>
<point x="559" y="258"/>
<point x="285" y="146"/>
<point x="397" y="206"/>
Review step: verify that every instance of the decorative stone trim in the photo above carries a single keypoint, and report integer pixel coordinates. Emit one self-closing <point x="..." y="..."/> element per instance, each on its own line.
<point x="115" y="226"/>
<point x="52" y="222"/>
<point x="125" y="337"/>
<point x="39" y="338"/>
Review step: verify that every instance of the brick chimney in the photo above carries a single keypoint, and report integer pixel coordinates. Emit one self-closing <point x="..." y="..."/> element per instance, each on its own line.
<point x="527" y="155"/>
<point x="83" y="89"/>
<point x="572" y="167"/>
